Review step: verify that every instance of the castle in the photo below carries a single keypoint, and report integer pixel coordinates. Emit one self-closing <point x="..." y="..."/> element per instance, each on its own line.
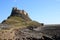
<point x="16" y="11"/>
<point x="19" y="26"/>
<point x="15" y="27"/>
<point x="21" y="13"/>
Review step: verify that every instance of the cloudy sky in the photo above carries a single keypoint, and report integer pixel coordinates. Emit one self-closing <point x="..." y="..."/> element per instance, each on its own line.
<point x="44" y="11"/>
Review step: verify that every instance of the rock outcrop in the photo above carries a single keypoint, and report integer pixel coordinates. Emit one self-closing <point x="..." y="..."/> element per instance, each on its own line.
<point x="19" y="18"/>
<point x="18" y="26"/>
<point x="18" y="13"/>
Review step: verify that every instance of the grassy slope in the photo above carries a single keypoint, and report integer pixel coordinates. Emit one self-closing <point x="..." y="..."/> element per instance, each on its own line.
<point x="19" y="22"/>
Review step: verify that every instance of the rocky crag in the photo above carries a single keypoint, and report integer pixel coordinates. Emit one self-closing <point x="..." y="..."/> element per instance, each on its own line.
<point x="20" y="18"/>
<point x="19" y="26"/>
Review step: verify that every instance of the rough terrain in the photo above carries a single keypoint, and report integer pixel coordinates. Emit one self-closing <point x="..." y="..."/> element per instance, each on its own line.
<point x="19" y="26"/>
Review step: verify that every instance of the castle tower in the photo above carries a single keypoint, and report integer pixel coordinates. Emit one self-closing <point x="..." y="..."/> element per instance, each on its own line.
<point x="19" y="13"/>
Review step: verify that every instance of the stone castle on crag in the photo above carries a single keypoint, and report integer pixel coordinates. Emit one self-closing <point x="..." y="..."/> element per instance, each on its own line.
<point x="21" y="13"/>
<point x="14" y="27"/>
<point x="18" y="26"/>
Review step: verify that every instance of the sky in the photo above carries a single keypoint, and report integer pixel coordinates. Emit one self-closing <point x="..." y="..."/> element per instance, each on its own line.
<point x="43" y="11"/>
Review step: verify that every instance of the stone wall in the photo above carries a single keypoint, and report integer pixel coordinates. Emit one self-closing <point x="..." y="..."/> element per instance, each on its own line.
<point x="20" y="13"/>
<point x="17" y="12"/>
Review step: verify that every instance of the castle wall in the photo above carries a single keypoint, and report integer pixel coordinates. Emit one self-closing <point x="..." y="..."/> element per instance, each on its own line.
<point x="17" y="12"/>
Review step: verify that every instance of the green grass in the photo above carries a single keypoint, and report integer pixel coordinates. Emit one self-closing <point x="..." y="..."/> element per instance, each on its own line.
<point x="15" y="21"/>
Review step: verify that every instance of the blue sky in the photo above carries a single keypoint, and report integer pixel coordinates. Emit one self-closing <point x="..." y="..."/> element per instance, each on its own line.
<point x="44" y="11"/>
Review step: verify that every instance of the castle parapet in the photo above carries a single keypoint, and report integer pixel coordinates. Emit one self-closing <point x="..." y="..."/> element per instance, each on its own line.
<point x="20" y="13"/>
<point x="17" y="11"/>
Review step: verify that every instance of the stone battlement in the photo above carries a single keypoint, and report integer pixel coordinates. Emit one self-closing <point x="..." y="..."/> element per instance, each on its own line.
<point x="16" y="11"/>
<point x="20" y="13"/>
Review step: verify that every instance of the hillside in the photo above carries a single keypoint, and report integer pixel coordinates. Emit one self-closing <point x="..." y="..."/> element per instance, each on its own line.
<point x="20" y="18"/>
<point x="19" y="26"/>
